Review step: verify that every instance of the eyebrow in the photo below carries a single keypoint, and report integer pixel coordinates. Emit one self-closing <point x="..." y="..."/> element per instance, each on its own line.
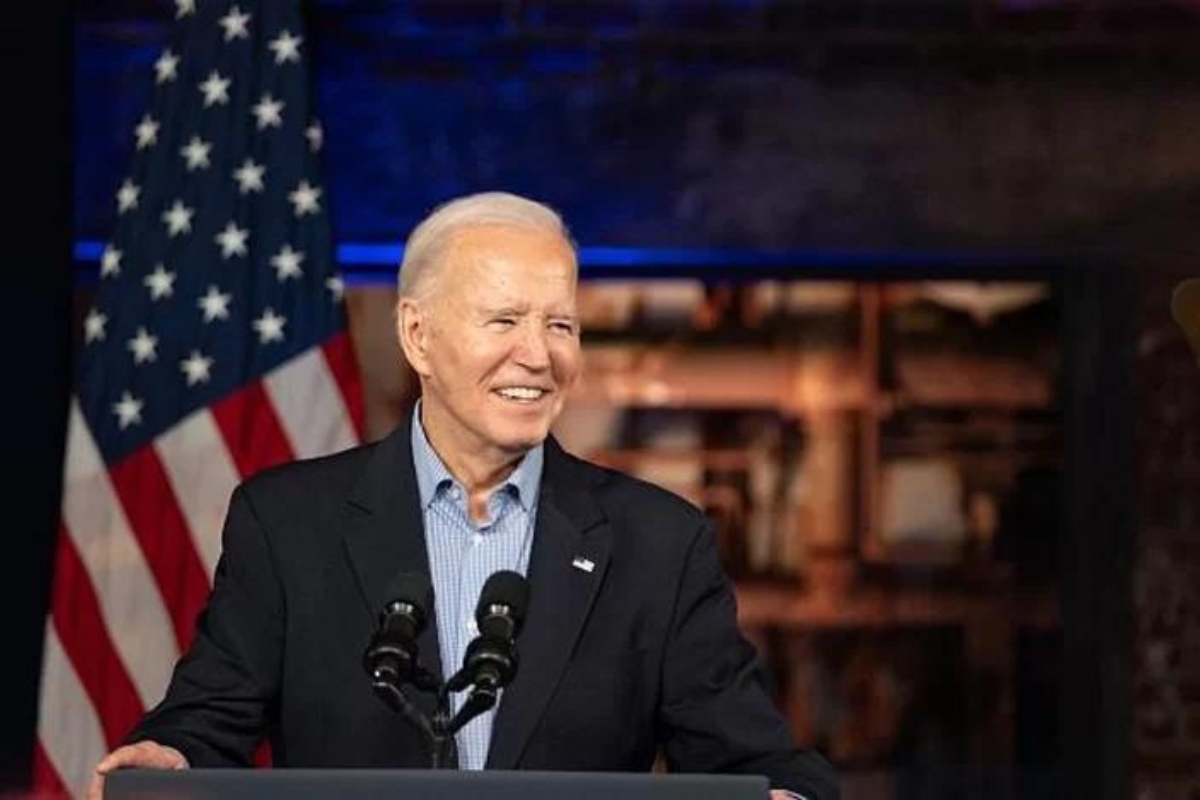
<point x="504" y="311"/>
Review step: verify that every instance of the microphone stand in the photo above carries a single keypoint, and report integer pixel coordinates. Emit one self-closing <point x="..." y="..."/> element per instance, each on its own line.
<point x="439" y="729"/>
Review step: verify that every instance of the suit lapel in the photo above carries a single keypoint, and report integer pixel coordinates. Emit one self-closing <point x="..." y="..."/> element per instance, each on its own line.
<point x="385" y="533"/>
<point x="569" y="528"/>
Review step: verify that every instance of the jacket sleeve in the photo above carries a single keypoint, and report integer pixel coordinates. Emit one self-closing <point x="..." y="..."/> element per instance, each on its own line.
<point x="716" y="714"/>
<point x="224" y="690"/>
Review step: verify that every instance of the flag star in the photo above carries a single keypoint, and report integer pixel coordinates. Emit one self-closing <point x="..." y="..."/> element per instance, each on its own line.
<point x="215" y="89"/>
<point x="143" y="346"/>
<point x="110" y="262"/>
<point x="304" y="199"/>
<point x="249" y="177"/>
<point x="195" y="152"/>
<point x="127" y="196"/>
<point x="234" y="24"/>
<point x="93" y="326"/>
<point x="178" y="219"/>
<point x="315" y="135"/>
<point x="286" y="47"/>
<point x="196" y="367"/>
<point x="336" y="287"/>
<point x="128" y="410"/>
<point x="160" y="282"/>
<point x="267" y="111"/>
<point x="287" y="263"/>
<point x="214" y="304"/>
<point x="146" y="132"/>
<point x="184" y="7"/>
<point x="166" y="68"/>
<point x="232" y="240"/>
<point x="270" y="327"/>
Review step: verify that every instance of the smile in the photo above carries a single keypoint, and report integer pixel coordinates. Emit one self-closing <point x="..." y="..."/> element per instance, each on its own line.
<point x="523" y="394"/>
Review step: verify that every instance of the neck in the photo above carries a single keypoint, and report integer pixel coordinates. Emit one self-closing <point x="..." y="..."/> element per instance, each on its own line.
<point x="478" y="472"/>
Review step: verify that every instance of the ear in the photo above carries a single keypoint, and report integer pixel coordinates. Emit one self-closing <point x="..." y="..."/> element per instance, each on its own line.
<point x="413" y="331"/>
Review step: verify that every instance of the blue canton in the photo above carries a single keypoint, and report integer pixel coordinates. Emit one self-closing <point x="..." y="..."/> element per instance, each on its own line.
<point x="220" y="267"/>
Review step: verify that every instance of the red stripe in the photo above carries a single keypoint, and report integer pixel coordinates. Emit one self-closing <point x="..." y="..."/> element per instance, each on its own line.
<point x="75" y="612"/>
<point x="339" y="355"/>
<point x="162" y="532"/>
<point x="46" y="781"/>
<point x="251" y="429"/>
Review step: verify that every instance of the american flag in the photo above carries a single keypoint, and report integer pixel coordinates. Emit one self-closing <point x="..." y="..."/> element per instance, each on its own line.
<point x="216" y="347"/>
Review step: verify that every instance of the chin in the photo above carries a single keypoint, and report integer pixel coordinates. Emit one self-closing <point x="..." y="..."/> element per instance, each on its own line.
<point x="524" y="440"/>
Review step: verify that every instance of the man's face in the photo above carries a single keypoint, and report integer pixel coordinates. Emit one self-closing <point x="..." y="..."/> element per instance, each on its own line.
<point x="496" y="341"/>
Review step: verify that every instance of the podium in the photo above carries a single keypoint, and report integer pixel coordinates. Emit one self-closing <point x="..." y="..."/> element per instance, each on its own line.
<point x="326" y="784"/>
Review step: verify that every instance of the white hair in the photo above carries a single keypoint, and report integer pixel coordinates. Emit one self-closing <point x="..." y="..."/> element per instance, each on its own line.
<point x="428" y="241"/>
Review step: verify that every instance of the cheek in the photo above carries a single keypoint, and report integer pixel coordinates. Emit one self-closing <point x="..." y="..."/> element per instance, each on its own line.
<point x="567" y="360"/>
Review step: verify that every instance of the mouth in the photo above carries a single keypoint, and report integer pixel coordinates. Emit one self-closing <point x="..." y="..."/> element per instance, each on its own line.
<point x="522" y="394"/>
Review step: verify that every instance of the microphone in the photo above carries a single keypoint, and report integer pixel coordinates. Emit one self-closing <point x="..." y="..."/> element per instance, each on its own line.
<point x="391" y="657"/>
<point x="491" y="659"/>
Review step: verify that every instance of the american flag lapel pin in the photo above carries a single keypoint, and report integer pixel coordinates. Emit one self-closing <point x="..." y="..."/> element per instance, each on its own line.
<point x="585" y="564"/>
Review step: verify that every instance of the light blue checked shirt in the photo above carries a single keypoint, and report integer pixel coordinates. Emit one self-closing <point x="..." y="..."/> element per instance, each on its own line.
<point x="463" y="554"/>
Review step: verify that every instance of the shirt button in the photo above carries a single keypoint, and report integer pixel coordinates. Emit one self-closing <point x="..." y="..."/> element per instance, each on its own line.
<point x="476" y="539"/>
<point x="455" y="493"/>
<point x="472" y="628"/>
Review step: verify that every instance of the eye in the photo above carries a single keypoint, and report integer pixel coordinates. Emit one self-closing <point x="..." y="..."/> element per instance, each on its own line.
<point x="563" y="326"/>
<point x="503" y="322"/>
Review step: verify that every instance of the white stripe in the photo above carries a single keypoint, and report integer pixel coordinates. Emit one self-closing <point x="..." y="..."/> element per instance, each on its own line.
<point x="68" y="726"/>
<point x="203" y="475"/>
<point x="310" y="405"/>
<point x="130" y="603"/>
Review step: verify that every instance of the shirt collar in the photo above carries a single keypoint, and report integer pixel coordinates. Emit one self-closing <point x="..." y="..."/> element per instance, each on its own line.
<point x="433" y="476"/>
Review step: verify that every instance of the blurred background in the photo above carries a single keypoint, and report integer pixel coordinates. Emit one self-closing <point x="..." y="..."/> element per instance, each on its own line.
<point x="883" y="285"/>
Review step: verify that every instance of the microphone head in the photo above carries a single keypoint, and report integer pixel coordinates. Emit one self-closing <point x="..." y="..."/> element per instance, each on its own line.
<point x="413" y="589"/>
<point x="506" y="593"/>
<point x="1185" y="308"/>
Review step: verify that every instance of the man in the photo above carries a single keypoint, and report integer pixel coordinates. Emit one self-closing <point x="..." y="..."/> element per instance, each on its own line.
<point x="630" y="645"/>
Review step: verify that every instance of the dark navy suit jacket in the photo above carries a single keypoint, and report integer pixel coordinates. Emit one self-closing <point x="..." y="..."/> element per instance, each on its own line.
<point x="640" y="653"/>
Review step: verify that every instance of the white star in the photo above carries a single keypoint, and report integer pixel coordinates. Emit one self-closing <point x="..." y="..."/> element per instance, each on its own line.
<point x="93" y="326"/>
<point x="215" y="89"/>
<point x="127" y="196"/>
<point x="315" y="135"/>
<point x="195" y="152"/>
<point x="146" y="132"/>
<point x="336" y="287"/>
<point x="269" y="327"/>
<point x="249" y="177"/>
<point x="267" y="112"/>
<point x="304" y="199"/>
<point x="178" y="219"/>
<point x="128" y="410"/>
<point x="287" y="263"/>
<point x="286" y="47"/>
<point x="143" y="346"/>
<point x="160" y="282"/>
<point x="184" y="7"/>
<point x="234" y="24"/>
<point x="215" y="304"/>
<point x="232" y="240"/>
<point x="196" y="367"/>
<point x="166" y="68"/>
<point x="110" y="262"/>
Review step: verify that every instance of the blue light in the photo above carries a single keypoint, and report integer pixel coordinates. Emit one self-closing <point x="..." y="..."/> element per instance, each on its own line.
<point x="376" y="264"/>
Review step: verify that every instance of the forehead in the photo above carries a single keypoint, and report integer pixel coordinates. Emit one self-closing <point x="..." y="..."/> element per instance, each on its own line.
<point x="510" y="259"/>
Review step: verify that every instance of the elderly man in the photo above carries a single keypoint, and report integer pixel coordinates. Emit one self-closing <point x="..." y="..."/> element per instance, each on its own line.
<point x="630" y="646"/>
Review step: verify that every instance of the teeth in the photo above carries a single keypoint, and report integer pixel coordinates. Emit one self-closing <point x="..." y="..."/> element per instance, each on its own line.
<point x="521" y="393"/>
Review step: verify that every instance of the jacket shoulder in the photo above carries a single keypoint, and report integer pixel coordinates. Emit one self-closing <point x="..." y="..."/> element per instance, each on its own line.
<point x="309" y="478"/>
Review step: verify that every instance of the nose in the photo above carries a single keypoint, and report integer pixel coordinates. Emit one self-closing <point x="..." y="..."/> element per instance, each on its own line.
<point x="533" y="350"/>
